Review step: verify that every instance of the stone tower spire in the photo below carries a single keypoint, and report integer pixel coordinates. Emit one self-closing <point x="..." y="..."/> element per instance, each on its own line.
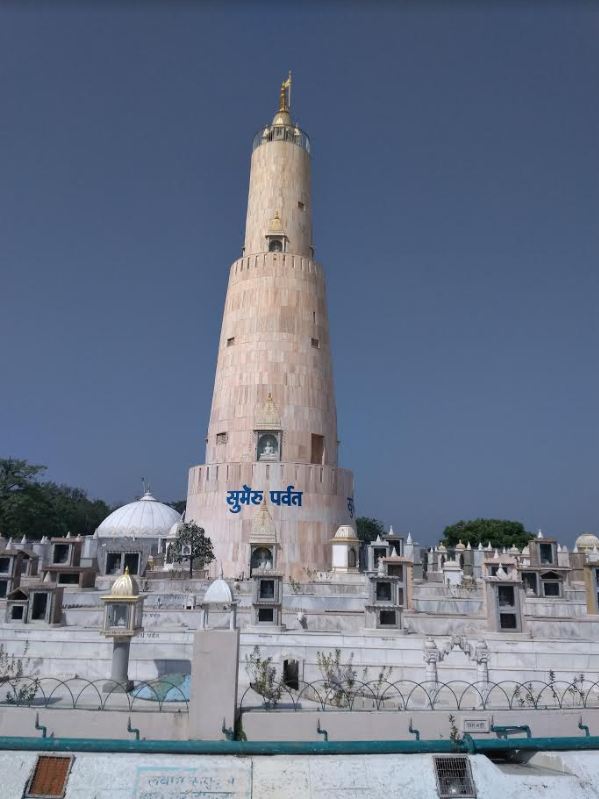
<point x="273" y="421"/>
<point x="280" y="186"/>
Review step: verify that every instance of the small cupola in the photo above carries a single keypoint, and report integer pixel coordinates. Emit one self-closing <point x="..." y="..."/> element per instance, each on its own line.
<point x="276" y="238"/>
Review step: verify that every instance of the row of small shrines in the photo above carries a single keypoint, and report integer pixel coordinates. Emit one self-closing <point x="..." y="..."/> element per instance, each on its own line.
<point x="34" y="576"/>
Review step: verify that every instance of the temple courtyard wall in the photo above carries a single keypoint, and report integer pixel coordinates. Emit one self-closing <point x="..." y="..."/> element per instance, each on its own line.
<point x="64" y="652"/>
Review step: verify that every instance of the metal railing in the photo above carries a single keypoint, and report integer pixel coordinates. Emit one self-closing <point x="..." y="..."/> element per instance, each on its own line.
<point x="289" y="133"/>
<point x="76" y="693"/>
<point x="407" y="695"/>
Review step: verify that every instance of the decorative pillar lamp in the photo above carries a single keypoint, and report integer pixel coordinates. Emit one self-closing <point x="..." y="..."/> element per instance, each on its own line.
<point x="218" y="595"/>
<point x="123" y="612"/>
<point x="345" y="548"/>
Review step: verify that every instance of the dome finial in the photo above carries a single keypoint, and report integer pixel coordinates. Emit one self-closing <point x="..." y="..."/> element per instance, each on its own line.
<point x="285" y="94"/>
<point x="124" y="586"/>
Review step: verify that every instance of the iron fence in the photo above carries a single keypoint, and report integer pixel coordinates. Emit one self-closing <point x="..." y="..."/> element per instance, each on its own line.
<point x="76" y="693"/>
<point x="408" y="695"/>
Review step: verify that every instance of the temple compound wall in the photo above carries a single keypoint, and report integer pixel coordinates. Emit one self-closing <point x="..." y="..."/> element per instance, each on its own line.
<point x="565" y="775"/>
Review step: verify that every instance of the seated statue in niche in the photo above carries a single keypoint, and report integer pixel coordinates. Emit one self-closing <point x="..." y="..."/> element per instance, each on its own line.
<point x="268" y="448"/>
<point x="261" y="559"/>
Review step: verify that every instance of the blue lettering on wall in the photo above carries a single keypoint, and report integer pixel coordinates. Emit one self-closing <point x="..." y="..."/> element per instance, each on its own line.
<point x="249" y="496"/>
<point x="350" y="507"/>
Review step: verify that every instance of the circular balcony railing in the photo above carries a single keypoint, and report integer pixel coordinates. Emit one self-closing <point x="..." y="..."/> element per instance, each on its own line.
<point x="289" y="133"/>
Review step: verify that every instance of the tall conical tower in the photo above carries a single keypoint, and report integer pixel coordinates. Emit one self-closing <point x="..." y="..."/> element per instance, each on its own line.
<point x="272" y="436"/>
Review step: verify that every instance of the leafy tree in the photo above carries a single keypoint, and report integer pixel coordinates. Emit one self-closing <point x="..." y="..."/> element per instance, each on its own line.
<point x="368" y="529"/>
<point x="179" y="505"/>
<point x="72" y="510"/>
<point x="192" y="544"/>
<point x="16" y="476"/>
<point x="500" y="532"/>
<point x="23" y="507"/>
<point x="33" y="508"/>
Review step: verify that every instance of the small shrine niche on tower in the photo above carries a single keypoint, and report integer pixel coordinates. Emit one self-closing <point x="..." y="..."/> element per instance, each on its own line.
<point x="268" y="446"/>
<point x="268" y="431"/>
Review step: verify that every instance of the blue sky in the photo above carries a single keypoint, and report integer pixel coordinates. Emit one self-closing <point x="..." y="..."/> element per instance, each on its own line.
<point x="455" y="168"/>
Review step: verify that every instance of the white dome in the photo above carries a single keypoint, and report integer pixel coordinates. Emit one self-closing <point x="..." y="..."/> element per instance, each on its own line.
<point x="586" y="542"/>
<point x="346" y="533"/>
<point x="145" y="518"/>
<point x="218" y="593"/>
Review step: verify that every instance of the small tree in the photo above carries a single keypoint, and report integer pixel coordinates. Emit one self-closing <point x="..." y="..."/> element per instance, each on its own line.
<point x="339" y="678"/>
<point x="12" y="674"/>
<point x="263" y="677"/>
<point x="500" y="532"/>
<point x="368" y="529"/>
<point x="192" y="544"/>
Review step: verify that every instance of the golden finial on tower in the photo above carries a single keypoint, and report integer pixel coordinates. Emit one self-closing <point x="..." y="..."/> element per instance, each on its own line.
<point x="285" y="94"/>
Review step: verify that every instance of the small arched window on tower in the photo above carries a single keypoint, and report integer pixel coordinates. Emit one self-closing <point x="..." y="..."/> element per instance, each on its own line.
<point x="275" y="245"/>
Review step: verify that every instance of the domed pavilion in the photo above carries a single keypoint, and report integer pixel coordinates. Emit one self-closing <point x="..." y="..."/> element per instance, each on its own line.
<point x="130" y="535"/>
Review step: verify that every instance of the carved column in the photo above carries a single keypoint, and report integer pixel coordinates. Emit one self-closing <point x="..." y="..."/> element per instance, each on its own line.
<point x="431" y="658"/>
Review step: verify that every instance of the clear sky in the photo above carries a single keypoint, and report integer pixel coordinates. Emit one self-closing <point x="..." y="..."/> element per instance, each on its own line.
<point x="456" y="197"/>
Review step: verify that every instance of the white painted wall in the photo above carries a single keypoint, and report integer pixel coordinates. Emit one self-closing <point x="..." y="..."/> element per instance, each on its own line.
<point x="109" y="776"/>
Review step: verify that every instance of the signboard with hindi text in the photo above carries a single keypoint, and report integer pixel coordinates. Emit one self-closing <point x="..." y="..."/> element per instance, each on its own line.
<point x="250" y="496"/>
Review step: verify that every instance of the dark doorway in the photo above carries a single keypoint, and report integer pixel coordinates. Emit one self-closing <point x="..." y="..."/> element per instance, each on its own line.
<point x="383" y="592"/>
<point x="68" y="578"/>
<point x="113" y="563"/>
<point x="291" y="674"/>
<point x="132" y="562"/>
<point x="38" y="607"/>
<point x="317" y="449"/>
<point x="61" y="553"/>
<point x="267" y="589"/>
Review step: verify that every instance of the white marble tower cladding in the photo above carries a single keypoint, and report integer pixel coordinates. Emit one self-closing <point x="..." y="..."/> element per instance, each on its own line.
<point x="273" y="425"/>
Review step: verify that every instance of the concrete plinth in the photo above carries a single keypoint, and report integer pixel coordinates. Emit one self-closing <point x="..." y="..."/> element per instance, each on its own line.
<point x="213" y="683"/>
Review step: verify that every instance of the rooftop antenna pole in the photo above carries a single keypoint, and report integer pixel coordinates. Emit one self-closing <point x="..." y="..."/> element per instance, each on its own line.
<point x="143" y="483"/>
